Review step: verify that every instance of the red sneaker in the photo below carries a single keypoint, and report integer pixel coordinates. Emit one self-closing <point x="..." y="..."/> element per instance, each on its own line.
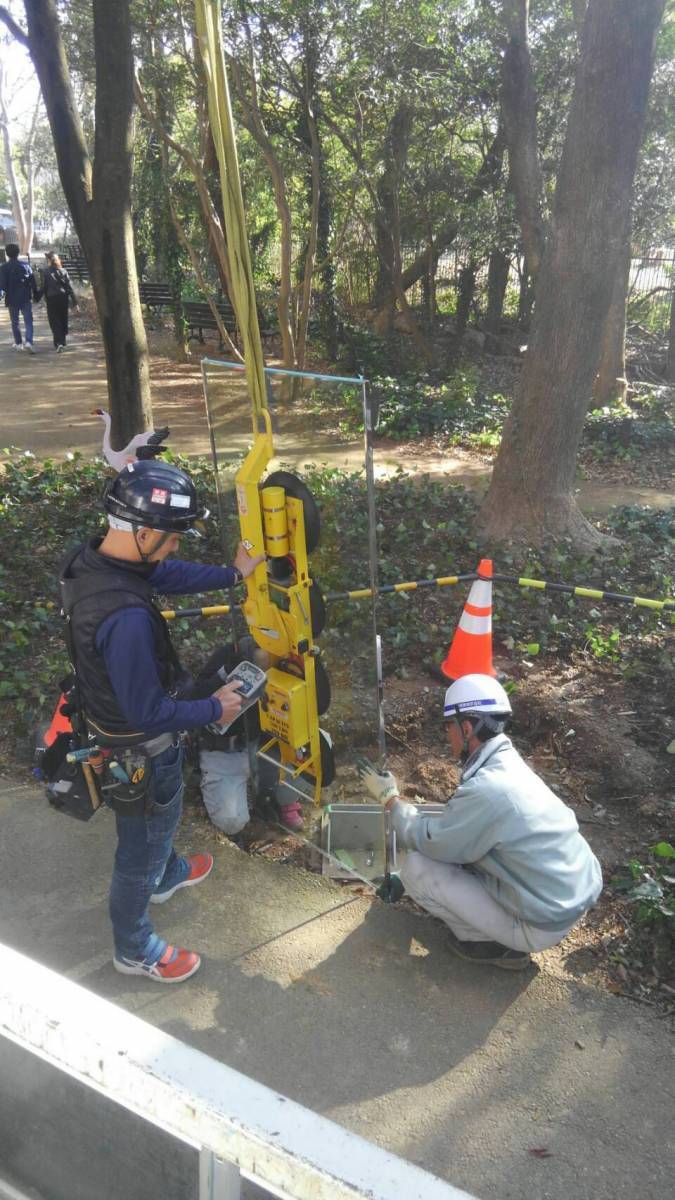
<point x="199" y="866"/>
<point x="174" y="966"/>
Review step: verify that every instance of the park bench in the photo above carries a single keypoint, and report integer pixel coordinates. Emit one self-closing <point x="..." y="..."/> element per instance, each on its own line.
<point x="76" y="266"/>
<point x="155" y="295"/>
<point x="199" y="317"/>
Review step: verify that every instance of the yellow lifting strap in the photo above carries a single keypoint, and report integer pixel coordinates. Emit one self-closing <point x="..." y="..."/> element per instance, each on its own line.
<point x="208" y="22"/>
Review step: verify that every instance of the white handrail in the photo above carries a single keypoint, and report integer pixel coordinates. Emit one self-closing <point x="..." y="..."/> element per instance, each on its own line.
<point x="278" y="1144"/>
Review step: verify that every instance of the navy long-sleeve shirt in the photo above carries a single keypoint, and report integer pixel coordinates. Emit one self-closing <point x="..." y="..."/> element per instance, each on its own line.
<point x="126" y="642"/>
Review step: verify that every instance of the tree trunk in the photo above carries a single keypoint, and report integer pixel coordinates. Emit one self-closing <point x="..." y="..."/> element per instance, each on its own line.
<point x="611" y="385"/>
<point x="670" y="358"/>
<point x="486" y="178"/>
<point x="99" y="197"/>
<point x="388" y="231"/>
<point x="531" y="488"/>
<point x="253" y="121"/>
<point x="18" y="213"/>
<point x="109" y="240"/>
<point x="466" y="291"/>
<point x="310" y="135"/>
<point x="525" y="299"/>
<point x="498" y="277"/>
<point x="519" y="107"/>
<point x="328" y="318"/>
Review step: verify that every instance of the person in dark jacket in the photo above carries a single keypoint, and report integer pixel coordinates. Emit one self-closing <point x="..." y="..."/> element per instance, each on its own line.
<point x="59" y="295"/>
<point x="17" y="283"/>
<point x="130" y="682"/>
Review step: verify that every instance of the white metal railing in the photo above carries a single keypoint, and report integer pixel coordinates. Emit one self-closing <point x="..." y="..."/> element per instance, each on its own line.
<point x="240" y="1127"/>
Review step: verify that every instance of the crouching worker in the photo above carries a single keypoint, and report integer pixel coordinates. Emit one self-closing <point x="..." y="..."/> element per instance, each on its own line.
<point x="129" y="682"/>
<point x="224" y="757"/>
<point x="505" y="867"/>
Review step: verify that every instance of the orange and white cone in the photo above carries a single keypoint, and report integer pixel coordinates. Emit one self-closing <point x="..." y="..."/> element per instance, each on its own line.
<point x="471" y="648"/>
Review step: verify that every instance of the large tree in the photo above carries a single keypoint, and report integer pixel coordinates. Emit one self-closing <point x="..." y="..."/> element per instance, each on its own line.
<point x="531" y="491"/>
<point x="98" y="188"/>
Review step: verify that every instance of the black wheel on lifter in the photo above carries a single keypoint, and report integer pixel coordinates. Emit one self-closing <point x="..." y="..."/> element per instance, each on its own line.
<point x="298" y="490"/>
<point x="317" y="609"/>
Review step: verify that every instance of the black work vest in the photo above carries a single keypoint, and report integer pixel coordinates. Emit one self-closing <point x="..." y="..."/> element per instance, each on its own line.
<point x="92" y="588"/>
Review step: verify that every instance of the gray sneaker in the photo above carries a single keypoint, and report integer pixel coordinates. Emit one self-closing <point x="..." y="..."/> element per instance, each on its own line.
<point x="18" y="345"/>
<point x="491" y="954"/>
<point x="30" y="348"/>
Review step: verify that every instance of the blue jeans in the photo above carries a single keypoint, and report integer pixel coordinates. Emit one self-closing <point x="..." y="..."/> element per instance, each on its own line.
<point x="145" y="858"/>
<point x="26" y="311"/>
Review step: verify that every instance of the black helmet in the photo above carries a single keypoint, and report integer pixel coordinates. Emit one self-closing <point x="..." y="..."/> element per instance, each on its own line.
<point x="154" y="494"/>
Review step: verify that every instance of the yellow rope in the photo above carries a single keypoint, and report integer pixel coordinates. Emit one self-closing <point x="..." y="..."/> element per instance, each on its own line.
<point x="208" y="21"/>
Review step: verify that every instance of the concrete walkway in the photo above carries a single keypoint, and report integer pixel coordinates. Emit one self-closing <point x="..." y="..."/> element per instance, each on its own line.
<point x="359" y="1011"/>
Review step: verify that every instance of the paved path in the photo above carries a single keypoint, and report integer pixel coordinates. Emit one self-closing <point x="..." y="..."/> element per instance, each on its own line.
<point x="359" y="1011"/>
<point x="46" y="403"/>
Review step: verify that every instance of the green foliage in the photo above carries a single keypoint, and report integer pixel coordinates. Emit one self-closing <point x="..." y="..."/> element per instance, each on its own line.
<point x="412" y="405"/>
<point x="425" y="529"/>
<point x="650" y="886"/>
<point x="627" y="430"/>
<point x="603" y="645"/>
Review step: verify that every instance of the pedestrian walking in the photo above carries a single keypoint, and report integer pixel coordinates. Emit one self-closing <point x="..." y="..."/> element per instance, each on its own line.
<point x="18" y="285"/>
<point x="59" y="297"/>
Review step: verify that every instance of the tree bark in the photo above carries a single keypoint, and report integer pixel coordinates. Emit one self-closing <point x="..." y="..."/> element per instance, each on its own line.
<point x="497" y="280"/>
<point x="519" y="107"/>
<point x="99" y="194"/>
<point x="611" y="385"/>
<point x="109" y="242"/>
<point x="531" y="489"/>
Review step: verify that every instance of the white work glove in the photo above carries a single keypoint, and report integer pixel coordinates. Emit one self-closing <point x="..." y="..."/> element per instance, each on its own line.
<point x="382" y="785"/>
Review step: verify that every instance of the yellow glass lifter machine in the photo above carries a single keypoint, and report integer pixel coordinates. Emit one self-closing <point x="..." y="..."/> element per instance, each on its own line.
<point x="277" y="516"/>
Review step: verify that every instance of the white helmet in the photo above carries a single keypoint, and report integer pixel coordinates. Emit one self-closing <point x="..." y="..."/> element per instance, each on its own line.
<point x="477" y="695"/>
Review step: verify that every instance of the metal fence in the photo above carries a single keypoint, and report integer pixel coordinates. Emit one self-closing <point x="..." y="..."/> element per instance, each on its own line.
<point x="240" y="1128"/>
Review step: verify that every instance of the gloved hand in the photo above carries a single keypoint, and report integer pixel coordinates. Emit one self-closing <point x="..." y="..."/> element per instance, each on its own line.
<point x="382" y="785"/>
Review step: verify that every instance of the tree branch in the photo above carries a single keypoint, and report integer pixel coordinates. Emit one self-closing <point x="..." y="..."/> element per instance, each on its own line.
<point x="15" y="30"/>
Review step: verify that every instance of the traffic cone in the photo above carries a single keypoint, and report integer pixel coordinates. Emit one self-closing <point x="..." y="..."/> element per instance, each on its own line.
<point x="471" y="648"/>
<point x="59" y="723"/>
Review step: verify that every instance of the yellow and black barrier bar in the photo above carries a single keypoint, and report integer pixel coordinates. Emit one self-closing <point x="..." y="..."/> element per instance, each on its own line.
<point x="415" y="585"/>
<point x="215" y="610"/>
<point x="585" y="593"/>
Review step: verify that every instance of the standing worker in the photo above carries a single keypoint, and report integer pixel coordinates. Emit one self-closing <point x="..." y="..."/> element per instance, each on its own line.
<point x="17" y="282"/>
<point x="58" y="293"/>
<point x="129" y="680"/>
<point x="505" y="867"/>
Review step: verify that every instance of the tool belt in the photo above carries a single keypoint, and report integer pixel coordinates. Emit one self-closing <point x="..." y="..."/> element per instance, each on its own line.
<point x="225" y="743"/>
<point x="128" y="798"/>
<point x="159" y="744"/>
